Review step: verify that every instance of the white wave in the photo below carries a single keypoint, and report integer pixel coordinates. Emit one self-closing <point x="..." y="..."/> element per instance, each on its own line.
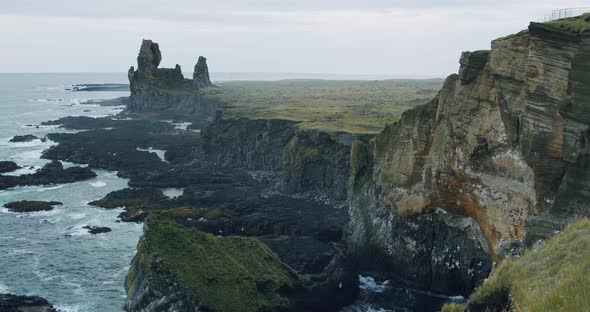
<point x="22" y="171"/>
<point x="30" y="155"/>
<point x="76" y="216"/>
<point x="180" y="125"/>
<point x="50" y="188"/>
<point x="4" y="289"/>
<point x="173" y="192"/>
<point x="77" y="230"/>
<point x="369" y="284"/>
<point x="98" y="184"/>
<point x="21" y="252"/>
<point x="160" y="153"/>
<point x="62" y="308"/>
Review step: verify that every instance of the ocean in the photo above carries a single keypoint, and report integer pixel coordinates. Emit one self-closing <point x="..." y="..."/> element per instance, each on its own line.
<point x="48" y="253"/>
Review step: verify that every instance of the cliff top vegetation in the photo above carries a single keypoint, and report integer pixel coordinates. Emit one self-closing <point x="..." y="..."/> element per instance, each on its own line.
<point x="217" y="268"/>
<point x="554" y="276"/>
<point x="348" y="106"/>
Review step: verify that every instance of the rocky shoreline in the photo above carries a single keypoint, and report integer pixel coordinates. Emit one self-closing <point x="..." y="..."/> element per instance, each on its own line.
<point x="272" y="217"/>
<point x="14" y="303"/>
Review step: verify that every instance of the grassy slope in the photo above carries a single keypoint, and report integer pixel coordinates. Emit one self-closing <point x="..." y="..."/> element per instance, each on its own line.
<point x="226" y="274"/>
<point x="577" y="24"/>
<point x="350" y="106"/>
<point x="554" y="276"/>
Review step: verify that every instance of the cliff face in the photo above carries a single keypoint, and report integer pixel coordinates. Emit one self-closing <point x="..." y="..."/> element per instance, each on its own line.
<point x="311" y="161"/>
<point x="156" y="89"/>
<point x="502" y="150"/>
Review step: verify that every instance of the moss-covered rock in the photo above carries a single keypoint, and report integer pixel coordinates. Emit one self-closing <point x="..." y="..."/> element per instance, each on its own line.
<point x="222" y="274"/>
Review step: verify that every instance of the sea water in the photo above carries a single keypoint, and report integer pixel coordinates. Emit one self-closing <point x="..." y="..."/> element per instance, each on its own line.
<point x="49" y="253"/>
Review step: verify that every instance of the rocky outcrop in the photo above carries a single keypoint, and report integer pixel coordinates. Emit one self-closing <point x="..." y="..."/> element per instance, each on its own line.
<point x="310" y="161"/>
<point x="8" y="166"/>
<point x="182" y="269"/>
<point x="156" y="89"/>
<point x="14" y="303"/>
<point x="30" y="206"/>
<point x="51" y="173"/>
<point x="96" y="229"/>
<point x="201" y="74"/>
<point x="502" y="149"/>
<point x="23" y="138"/>
<point x="247" y="143"/>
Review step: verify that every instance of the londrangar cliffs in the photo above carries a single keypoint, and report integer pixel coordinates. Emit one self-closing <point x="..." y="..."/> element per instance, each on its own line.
<point x="497" y="161"/>
<point x="156" y="89"/>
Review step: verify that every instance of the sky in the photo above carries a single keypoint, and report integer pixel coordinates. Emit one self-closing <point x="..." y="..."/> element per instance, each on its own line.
<point x="304" y="36"/>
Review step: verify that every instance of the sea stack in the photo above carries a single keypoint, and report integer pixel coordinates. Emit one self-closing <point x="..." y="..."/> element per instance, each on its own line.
<point x="201" y="74"/>
<point x="155" y="89"/>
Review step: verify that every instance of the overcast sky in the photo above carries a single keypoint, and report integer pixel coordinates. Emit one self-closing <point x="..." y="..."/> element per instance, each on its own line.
<point x="301" y="36"/>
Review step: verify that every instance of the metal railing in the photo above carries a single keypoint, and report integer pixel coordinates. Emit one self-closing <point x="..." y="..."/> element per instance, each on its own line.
<point x="563" y="13"/>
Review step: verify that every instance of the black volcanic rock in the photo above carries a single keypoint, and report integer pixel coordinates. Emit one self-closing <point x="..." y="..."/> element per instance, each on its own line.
<point x="31" y="206"/>
<point x="201" y="74"/>
<point x="129" y="198"/>
<point x="161" y="90"/>
<point x="8" y="166"/>
<point x="51" y="173"/>
<point x="97" y="229"/>
<point x="14" y="303"/>
<point x="23" y="138"/>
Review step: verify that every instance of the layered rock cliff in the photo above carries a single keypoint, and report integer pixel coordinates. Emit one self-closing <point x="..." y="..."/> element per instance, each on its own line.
<point x="310" y="161"/>
<point x="499" y="156"/>
<point x="156" y="89"/>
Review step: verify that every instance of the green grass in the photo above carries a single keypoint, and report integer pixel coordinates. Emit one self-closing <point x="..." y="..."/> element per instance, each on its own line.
<point x="226" y="274"/>
<point x="339" y="106"/>
<point x="453" y="307"/>
<point x="552" y="277"/>
<point x="577" y="24"/>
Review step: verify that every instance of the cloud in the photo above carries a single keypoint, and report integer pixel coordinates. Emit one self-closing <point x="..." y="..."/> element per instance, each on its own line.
<point x="401" y="37"/>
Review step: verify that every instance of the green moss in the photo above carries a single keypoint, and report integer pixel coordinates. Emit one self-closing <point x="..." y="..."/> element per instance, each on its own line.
<point x="225" y="274"/>
<point x="453" y="307"/>
<point x="553" y="277"/>
<point x="131" y="275"/>
<point x="577" y="24"/>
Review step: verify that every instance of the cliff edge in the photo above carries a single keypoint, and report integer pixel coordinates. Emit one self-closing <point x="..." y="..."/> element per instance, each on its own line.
<point x="497" y="159"/>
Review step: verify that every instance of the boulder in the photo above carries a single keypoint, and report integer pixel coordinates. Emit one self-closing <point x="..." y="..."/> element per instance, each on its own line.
<point x="97" y="229"/>
<point x="14" y="303"/>
<point x="31" y="206"/>
<point x="23" y="138"/>
<point x="8" y="166"/>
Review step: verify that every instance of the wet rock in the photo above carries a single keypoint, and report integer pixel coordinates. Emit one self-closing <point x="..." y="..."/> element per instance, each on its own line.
<point x="30" y="206"/>
<point x="8" y="166"/>
<point x="135" y="201"/>
<point x="130" y="198"/>
<point x="14" y="303"/>
<point x="51" y="173"/>
<point x="24" y="138"/>
<point x="97" y="229"/>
